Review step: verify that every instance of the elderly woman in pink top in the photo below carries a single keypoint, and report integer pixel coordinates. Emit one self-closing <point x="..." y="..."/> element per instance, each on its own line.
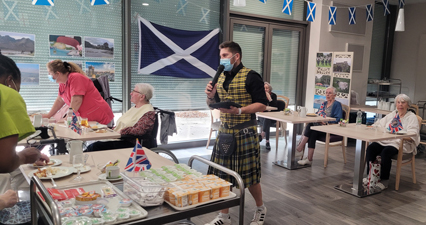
<point x="78" y="92"/>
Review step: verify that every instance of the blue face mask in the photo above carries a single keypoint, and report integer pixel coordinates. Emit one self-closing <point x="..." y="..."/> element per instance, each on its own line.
<point x="51" y="78"/>
<point x="227" y="63"/>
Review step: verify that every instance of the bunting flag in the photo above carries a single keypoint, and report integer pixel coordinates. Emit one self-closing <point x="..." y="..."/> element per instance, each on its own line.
<point x="50" y="13"/>
<point x="181" y="6"/>
<point x="288" y="7"/>
<point x="138" y="161"/>
<point x="263" y="1"/>
<point x="205" y="15"/>
<point x="10" y="10"/>
<point x="99" y="2"/>
<point x="75" y="125"/>
<point x="395" y="125"/>
<point x="43" y="2"/>
<point x="352" y="15"/>
<point x="386" y="7"/>
<point x="332" y="15"/>
<point x="401" y="3"/>
<point x="369" y="12"/>
<point x="310" y="11"/>
<point x="166" y="51"/>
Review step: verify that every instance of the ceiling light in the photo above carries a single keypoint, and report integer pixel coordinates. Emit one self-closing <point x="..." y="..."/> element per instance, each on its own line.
<point x="400" y="23"/>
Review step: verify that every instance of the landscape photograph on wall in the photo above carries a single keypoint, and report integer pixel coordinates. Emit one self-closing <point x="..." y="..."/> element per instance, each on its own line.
<point x="65" y="46"/>
<point x="99" y="47"/>
<point x="97" y="69"/>
<point x="17" y="44"/>
<point x="30" y="73"/>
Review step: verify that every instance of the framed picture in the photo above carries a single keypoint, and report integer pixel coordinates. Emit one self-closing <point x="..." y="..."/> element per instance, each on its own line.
<point x="65" y="46"/>
<point x="99" y="47"/>
<point x="17" y="44"/>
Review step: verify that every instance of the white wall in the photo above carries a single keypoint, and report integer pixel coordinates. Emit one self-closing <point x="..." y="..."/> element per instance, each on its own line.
<point x="408" y="57"/>
<point x="321" y="40"/>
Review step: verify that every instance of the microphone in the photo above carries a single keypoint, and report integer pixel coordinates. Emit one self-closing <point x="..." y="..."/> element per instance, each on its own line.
<point x="220" y="69"/>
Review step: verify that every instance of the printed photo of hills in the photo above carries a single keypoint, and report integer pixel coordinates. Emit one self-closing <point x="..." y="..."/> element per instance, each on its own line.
<point x="30" y="73"/>
<point x="99" y="47"/>
<point x="17" y="44"/>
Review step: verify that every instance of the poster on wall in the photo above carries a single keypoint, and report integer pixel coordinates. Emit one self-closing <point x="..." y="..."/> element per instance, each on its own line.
<point x="333" y="69"/>
<point x="30" y="73"/>
<point x="65" y="46"/>
<point x="79" y="63"/>
<point x="99" y="47"/>
<point x="97" y="69"/>
<point x="17" y="44"/>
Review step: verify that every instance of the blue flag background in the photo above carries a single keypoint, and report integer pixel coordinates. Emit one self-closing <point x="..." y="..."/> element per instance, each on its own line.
<point x="166" y="51"/>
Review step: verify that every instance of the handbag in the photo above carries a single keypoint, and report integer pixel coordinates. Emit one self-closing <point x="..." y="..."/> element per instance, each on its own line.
<point x="227" y="144"/>
<point x="374" y="173"/>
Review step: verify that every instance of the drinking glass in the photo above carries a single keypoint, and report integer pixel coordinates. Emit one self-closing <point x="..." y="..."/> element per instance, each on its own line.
<point x="298" y="109"/>
<point x="78" y="163"/>
<point x="84" y="122"/>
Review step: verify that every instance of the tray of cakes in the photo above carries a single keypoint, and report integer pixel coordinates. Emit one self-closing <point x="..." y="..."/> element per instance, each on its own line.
<point x="95" y="202"/>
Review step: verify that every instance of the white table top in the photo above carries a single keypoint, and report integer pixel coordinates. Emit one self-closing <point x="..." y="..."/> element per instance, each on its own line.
<point x="372" y="109"/>
<point x="99" y="157"/>
<point x="270" y="108"/>
<point x="279" y="116"/>
<point x="360" y="132"/>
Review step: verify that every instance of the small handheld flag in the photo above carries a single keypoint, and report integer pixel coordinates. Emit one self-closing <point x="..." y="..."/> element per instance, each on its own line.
<point x="75" y="125"/>
<point x="395" y="125"/>
<point x="138" y="161"/>
<point x="321" y="111"/>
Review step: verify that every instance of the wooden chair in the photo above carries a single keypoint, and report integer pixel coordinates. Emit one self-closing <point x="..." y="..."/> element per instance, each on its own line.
<point x="281" y="125"/>
<point x="335" y="140"/>
<point x="215" y="123"/>
<point x="414" y="108"/>
<point x="405" y="158"/>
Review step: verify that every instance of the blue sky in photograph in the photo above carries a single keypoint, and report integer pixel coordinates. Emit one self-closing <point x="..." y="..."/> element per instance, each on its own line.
<point x="28" y="67"/>
<point x="17" y="36"/>
<point x="100" y="41"/>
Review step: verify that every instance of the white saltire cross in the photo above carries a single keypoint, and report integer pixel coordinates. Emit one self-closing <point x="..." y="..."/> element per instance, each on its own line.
<point x="10" y="12"/>
<point x="352" y="15"/>
<point x="287" y="7"/>
<point x="332" y="15"/>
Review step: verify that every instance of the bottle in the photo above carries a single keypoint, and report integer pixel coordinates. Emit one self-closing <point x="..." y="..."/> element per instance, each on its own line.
<point x="69" y="116"/>
<point x="359" y="118"/>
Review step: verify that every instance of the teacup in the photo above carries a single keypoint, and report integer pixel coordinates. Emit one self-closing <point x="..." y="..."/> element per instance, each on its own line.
<point x="112" y="172"/>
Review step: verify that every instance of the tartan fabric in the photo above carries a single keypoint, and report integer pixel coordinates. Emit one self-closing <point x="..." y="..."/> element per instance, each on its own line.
<point x="245" y="160"/>
<point x="236" y="93"/>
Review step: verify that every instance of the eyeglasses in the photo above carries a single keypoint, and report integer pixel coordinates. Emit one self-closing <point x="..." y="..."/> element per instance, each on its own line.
<point x="136" y="92"/>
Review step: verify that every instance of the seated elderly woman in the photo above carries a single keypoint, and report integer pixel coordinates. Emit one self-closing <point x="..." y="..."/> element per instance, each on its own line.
<point x="136" y="122"/>
<point x="331" y="108"/>
<point x="388" y="148"/>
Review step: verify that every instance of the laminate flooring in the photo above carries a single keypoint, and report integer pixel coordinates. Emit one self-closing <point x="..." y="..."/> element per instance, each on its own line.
<point x="307" y="196"/>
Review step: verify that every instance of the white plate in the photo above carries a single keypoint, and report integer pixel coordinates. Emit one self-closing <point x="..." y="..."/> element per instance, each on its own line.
<point x="99" y="126"/>
<point x="63" y="172"/>
<point x="85" y="169"/>
<point x="103" y="177"/>
<point x="56" y="162"/>
<point x="231" y="195"/>
<point x="402" y="132"/>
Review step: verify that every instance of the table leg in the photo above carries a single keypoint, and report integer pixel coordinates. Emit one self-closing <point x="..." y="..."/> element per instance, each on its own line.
<point x="356" y="188"/>
<point x="290" y="163"/>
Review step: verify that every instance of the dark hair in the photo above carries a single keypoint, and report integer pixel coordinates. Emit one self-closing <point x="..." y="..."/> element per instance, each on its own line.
<point x="233" y="47"/>
<point x="8" y="67"/>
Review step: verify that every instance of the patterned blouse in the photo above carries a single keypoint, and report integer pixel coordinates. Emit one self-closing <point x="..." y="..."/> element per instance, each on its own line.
<point x="145" y="124"/>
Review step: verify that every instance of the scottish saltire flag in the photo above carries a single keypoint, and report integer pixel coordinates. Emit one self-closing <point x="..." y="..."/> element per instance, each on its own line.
<point x="369" y="12"/>
<point x="138" y="161"/>
<point x="43" y="2"/>
<point x="181" y="7"/>
<point x="352" y="15"/>
<point x="287" y="7"/>
<point x="10" y="10"/>
<point x="99" y="2"/>
<point x="401" y="3"/>
<point x="75" y="125"/>
<point x="332" y="15"/>
<point x="166" y="51"/>
<point x="386" y="7"/>
<point x="321" y="111"/>
<point x="395" y="125"/>
<point x="310" y="11"/>
<point x="263" y="1"/>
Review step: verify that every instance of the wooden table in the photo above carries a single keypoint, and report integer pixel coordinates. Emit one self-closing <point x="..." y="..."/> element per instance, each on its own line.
<point x="362" y="134"/>
<point x="293" y="121"/>
<point x="372" y="109"/>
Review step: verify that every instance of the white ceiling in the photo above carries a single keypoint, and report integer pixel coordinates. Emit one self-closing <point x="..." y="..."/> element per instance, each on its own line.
<point x="407" y="2"/>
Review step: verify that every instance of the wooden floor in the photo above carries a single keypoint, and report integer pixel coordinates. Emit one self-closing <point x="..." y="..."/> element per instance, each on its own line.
<point x="307" y="196"/>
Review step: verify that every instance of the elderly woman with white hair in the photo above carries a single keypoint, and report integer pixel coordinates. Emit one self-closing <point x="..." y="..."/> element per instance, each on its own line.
<point x="138" y="121"/>
<point x="401" y="117"/>
<point x="331" y="108"/>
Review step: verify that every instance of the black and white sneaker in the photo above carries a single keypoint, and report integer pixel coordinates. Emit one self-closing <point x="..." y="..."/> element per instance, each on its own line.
<point x="268" y="146"/>
<point x="220" y="220"/>
<point x="259" y="217"/>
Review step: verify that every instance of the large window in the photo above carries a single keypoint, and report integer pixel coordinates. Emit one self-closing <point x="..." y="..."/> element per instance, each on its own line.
<point x="171" y="92"/>
<point x="71" y="18"/>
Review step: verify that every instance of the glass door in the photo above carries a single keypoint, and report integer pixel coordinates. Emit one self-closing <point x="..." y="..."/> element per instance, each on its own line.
<point x="275" y="52"/>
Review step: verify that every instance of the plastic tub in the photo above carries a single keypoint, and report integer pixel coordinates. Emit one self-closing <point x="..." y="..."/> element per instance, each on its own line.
<point x="144" y="192"/>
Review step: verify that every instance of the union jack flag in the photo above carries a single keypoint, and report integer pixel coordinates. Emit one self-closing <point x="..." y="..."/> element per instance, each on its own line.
<point x="395" y="125"/>
<point x="138" y="160"/>
<point x="321" y="111"/>
<point x="75" y="125"/>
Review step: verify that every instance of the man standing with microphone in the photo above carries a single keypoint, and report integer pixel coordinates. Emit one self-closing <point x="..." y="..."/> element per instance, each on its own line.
<point x="245" y="87"/>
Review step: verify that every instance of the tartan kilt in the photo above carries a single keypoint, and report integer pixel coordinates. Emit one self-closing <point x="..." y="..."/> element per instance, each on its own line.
<point x="245" y="160"/>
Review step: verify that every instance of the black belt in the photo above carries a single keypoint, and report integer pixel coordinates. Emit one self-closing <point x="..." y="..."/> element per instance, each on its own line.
<point x="241" y="125"/>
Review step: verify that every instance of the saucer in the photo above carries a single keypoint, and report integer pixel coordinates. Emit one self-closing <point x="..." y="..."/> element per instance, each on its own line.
<point x="103" y="177"/>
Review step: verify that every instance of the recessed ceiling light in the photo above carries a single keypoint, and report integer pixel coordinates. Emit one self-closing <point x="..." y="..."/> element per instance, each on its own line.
<point x="145" y="4"/>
